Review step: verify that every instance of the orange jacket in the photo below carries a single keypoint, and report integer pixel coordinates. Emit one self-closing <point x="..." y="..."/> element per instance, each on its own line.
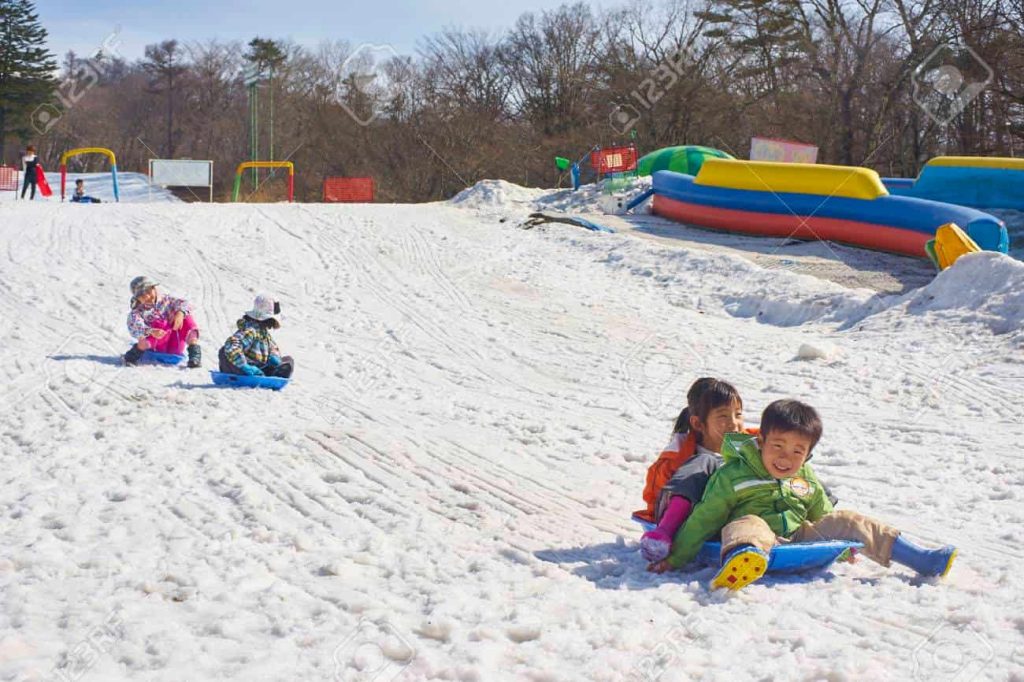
<point x="681" y="448"/>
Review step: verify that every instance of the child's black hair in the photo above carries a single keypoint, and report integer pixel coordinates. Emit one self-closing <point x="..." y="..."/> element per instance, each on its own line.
<point x="790" y="415"/>
<point x="269" y="323"/>
<point x="706" y="394"/>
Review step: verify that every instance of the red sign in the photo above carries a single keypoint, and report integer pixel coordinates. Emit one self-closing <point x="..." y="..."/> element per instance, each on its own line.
<point x="614" y="159"/>
<point x="348" y="190"/>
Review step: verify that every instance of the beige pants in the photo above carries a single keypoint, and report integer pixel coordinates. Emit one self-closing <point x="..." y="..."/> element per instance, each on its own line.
<point x="839" y="525"/>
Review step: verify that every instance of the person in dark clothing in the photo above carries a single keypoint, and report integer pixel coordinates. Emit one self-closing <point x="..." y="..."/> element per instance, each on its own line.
<point x="29" y="163"/>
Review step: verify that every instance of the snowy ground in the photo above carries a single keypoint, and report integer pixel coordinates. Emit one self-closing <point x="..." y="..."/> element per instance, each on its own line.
<point x="443" y="491"/>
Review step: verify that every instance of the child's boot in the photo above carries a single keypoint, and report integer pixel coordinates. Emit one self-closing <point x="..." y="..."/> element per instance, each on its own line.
<point x="742" y="566"/>
<point x="132" y="357"/>
<point x="195" y="356"/>
<point x="928" y="562"/>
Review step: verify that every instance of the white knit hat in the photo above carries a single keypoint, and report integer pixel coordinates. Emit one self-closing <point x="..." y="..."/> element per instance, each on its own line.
<point x="264" y="308"/>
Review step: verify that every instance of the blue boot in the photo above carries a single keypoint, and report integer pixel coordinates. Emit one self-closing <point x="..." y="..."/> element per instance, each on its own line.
<point x="928" y="562"/>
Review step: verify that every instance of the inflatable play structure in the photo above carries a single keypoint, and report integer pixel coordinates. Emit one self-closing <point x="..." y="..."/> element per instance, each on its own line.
<point x="814" y="202"/>
<point x="265" y="164"/>
<point x="978" y="182"/>
<point x="87" y="150"/>
<point x="682" y="159"/>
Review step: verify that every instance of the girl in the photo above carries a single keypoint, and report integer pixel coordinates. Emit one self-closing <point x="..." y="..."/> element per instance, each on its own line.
<point x="29" y="162"/>
<point x="675" y="482"/>
<point x="162" y="324"/>
<point x="251" y="350"/>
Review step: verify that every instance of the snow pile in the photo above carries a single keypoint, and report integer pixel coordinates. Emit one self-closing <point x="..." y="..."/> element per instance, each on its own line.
<point x="496" y="194"/>
<point x="443" y="490"/>
<point x="500" y="195"/>
<point x="984" y="289"/>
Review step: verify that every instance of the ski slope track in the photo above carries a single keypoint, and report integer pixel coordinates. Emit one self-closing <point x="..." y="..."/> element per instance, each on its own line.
<point x="443" y="490"/>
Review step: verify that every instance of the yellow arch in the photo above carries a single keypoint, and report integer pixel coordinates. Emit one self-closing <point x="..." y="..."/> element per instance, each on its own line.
<point x="978" y="162"/>
<point x="760" y="176"/>
<point x="266" y="164"/>
<point x="88" y="150"/>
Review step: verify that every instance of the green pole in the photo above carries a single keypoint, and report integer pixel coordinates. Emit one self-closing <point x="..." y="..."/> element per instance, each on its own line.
<point x="238" y="186"/>
<point x="255" y="134"/>
<point x="271" y="112"/>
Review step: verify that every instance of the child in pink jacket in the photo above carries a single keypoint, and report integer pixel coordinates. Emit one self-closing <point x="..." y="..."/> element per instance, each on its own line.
<point x="162" y="324"/>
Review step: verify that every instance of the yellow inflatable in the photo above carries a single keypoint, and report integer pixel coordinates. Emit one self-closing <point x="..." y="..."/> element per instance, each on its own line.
<point x="950" y="243"/>
<point x="849" y="182"/>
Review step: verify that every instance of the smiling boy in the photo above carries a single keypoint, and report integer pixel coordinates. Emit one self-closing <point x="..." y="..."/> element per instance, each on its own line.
<point x="766" y="493"/>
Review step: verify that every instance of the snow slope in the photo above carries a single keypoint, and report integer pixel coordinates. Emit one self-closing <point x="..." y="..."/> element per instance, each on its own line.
<point x="132" y="187"/>
<point x="443" y="491"/>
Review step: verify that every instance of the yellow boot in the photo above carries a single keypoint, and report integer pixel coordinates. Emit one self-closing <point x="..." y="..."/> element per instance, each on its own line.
<point x="744" y="565"/>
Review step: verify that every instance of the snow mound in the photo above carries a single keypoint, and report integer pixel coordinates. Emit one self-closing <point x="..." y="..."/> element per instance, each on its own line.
<point x="496" y="194"/>
<point x="982" y="288"/>
<point x="598" y="197"/>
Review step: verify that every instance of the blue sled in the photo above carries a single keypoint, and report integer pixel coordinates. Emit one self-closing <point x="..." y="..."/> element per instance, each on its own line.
<point x="244" y="380"/>
<point x="790" y="558"/>
<point x="164" y="358"/>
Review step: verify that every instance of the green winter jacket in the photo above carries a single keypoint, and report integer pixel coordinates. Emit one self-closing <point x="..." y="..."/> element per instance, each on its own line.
<point x="743" y="486"/>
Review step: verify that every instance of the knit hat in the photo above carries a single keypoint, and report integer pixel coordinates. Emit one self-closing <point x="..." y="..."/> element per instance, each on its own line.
<point x="139" y="286"/>
<point x="264" y="308"/>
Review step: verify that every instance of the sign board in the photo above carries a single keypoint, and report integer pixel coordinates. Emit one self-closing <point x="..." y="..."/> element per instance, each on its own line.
<point x="786" y="151"/>
<point x="181" y="173"/>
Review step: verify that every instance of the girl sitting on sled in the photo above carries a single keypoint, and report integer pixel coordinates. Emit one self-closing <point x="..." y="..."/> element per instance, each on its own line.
<point x="162" y="324"/>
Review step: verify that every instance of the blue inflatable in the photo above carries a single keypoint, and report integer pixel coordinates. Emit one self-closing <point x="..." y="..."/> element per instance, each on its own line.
<point x="164" y="358"/>
<point x="898" y="224"/>
<point x="243" y="380"/>
<point x="790" y="558"/>
<point x="978" y="182"/>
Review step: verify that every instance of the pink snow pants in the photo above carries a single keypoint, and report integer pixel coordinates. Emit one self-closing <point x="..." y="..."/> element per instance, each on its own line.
<point x="173" y="342"/>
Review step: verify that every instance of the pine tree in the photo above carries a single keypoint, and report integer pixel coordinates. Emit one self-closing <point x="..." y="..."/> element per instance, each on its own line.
<point x="164" y="63"/>
<point x="26" y="69"/>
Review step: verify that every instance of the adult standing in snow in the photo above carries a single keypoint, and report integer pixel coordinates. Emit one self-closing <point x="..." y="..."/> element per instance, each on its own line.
<point x="29" y="165"/>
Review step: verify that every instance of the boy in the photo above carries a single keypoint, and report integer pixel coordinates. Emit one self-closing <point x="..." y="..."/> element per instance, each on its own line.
<point x="766" y="494"/>
<point x="80" y="197"/>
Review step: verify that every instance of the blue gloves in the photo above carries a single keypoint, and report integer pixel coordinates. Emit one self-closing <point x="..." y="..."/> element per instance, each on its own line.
<point x="273" y="361"/>
<point x="251" y="370"/>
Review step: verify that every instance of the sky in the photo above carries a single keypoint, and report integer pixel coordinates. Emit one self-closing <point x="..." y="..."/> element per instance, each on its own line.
<point x="84" y="25"/>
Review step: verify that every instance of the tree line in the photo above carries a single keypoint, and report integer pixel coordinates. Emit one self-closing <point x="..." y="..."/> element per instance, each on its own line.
<point x="881" y="83"/>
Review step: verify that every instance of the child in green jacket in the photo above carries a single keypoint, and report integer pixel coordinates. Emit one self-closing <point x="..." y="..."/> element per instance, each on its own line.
<point x="766" y="493"/>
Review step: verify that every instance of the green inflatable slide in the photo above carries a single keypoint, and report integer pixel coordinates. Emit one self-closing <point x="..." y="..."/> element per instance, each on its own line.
<point x="683" y="159"/>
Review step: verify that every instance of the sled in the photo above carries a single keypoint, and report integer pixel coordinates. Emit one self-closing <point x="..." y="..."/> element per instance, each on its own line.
<point x="246" y="381"/>
<point x="792" y="557"/>
<point x="164" y="358"/>
<point x="41" y="183"/>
